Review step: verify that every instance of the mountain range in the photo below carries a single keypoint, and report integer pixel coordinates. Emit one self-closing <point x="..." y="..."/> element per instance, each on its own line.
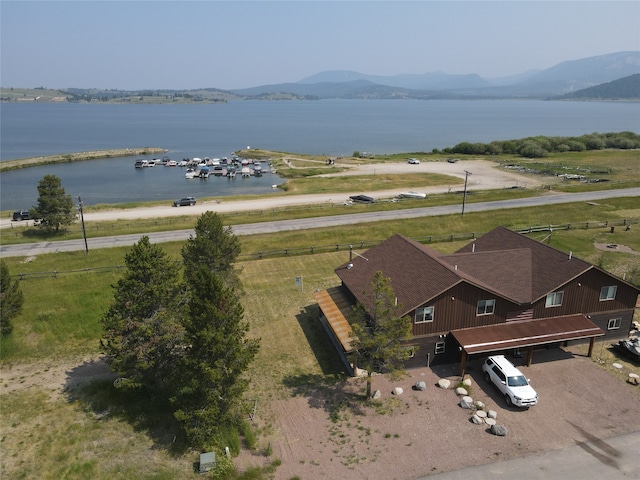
<point x="561" y="79"/>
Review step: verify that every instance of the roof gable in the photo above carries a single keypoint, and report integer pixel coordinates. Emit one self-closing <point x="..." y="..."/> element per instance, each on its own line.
<point x="416" y="273"/>
<point x="550" y="269"/>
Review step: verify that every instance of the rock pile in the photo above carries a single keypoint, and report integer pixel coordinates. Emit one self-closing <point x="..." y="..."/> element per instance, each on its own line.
<point x="480" y="415"/>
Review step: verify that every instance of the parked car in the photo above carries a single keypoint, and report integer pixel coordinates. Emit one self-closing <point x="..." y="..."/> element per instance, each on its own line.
<point x="510" y="381"/>
<point x="21" y="215"/>
<point x="414" y="161"/>
<point x="185" y="202"/>
<point x="362" y="199"/>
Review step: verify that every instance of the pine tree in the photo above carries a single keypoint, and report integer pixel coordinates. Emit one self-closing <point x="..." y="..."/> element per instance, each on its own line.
<point x="143" y="336"/>
<point x="212" y="370"/>
<point x="379" y="334"/>
<point x="55" y="207"/>
<point x="11" y="299"/>
<point x="213" y="246"/>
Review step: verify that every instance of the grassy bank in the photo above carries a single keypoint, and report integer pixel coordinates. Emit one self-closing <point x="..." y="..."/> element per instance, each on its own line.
<point x="77" y="157"/>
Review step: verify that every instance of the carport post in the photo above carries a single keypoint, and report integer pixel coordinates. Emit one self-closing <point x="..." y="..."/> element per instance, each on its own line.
<point x="529" y="356"/>
<point x="463" y="362"/>
<point x="592" y="342"/>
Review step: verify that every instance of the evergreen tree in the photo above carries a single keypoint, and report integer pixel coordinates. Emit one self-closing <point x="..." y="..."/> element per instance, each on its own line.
<point x="213" y="246"/>
<point x="55" y="207"/>
<point x="378" y="333"/>
<point x="11" y="299"/>
<point x="212" y="382"/>
<point x="212" y="370"/>
<point x="143" y="336"/>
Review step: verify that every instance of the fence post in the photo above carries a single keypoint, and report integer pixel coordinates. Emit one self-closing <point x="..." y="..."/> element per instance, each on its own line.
<point x="312" y="248"/>
<point x="587" y="226"/>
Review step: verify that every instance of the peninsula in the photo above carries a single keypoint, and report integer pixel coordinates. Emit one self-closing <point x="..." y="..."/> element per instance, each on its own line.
<point x="78" y="157"/>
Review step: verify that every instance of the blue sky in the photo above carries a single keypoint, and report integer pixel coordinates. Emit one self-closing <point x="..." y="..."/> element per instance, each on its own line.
<point x="184" y="45"/>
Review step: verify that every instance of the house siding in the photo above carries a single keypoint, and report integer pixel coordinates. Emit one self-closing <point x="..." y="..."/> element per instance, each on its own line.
<point x="456" y="308"/>
<point x="582" y="295"/>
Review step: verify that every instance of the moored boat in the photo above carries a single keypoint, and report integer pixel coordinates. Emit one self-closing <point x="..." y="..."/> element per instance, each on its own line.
<point x="413" y="195"/>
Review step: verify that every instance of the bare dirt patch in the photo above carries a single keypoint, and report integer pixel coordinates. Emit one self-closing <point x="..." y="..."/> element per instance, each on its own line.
<point x="614" y="247"/>
<point x="329" y="432"/>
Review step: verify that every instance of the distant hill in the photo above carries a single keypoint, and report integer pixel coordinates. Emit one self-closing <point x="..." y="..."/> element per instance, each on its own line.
<point x="562" y="79"/>
<point x="626" y="88"/>
<point x="558" y="80"/>
<point x="575" y="75"/>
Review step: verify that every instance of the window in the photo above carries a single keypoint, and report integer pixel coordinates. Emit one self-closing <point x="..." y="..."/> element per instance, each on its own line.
<point x="486" y="307"/>
<point x="608" y="293"/>
<point x="554" y="299"/>
<point x="424" y="314"/>
<point x="439" y="348"/>
<point x="614" y="323"/>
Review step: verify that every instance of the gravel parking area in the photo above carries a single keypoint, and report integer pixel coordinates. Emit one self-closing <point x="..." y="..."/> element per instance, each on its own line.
<point x="328" y="432"/>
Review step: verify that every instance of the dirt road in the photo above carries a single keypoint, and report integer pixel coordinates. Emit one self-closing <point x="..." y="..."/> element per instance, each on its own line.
<point x="484" y="175"/>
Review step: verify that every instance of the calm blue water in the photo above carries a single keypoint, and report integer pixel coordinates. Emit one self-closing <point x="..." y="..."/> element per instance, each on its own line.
<point x="330" y="127"/>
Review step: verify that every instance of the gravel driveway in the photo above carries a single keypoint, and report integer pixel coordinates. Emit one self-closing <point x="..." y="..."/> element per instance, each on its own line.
<point x="422" y="433"/>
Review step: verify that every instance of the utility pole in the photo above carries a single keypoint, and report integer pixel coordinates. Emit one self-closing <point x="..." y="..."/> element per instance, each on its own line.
<point x="84" y="233"/>
<point x="464" y="196"/>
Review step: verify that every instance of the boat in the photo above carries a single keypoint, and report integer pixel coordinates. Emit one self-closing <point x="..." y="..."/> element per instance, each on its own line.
<point x="413" y="195"/>
<point x="629" y="347"/>
<point x="204" y="172"/>
<point x="189" y="173"/>
<point x="141" y="163"/>
<point x="171" y="163"/>
<point x="245" y="172"/>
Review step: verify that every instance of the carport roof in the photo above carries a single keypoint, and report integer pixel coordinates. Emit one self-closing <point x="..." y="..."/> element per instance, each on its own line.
<point x="525" y="333"/>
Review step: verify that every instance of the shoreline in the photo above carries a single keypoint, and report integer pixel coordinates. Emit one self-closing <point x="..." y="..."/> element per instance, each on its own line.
<point x="77" y="157"/>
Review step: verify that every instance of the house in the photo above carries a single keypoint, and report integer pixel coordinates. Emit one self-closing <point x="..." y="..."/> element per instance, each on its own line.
<point x="502" y="291"/>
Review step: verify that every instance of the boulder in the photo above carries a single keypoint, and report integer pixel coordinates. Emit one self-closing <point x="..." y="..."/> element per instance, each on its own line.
<point x="476" y="419"/>
<point x="422" y="386"/>
<point x="467" y="382"/>
<point x="444" y="383"/>
<point x="479" y="405"/>
<point x="492" y="414"/>
<point x="461" y="391"/>
<point x="376" y="395"/>
<point x="466" y="402"/>
<point x="397" y="391"/>
<point x="499" y="430"/>
<point x="490" y="421"/>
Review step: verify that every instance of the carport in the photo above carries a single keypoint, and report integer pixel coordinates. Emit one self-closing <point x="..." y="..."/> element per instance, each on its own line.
<point x="525" y="334"/>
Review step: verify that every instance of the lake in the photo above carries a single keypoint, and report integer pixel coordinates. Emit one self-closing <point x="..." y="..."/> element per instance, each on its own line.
<point x="329" y="127"/>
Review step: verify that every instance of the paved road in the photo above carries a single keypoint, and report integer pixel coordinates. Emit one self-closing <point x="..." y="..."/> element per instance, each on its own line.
<point x="319" y="222"/>
<point x="614" y="458"/>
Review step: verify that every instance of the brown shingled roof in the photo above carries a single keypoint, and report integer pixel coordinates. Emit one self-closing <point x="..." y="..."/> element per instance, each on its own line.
<point x="504" y="262"/>
<point x="416" y="273"/>
<point x="549" y="268"/>
<point x="506" y="273"/>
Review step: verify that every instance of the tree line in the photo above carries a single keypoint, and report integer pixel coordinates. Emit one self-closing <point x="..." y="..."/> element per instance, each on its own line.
<point x="543" y="146"/>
